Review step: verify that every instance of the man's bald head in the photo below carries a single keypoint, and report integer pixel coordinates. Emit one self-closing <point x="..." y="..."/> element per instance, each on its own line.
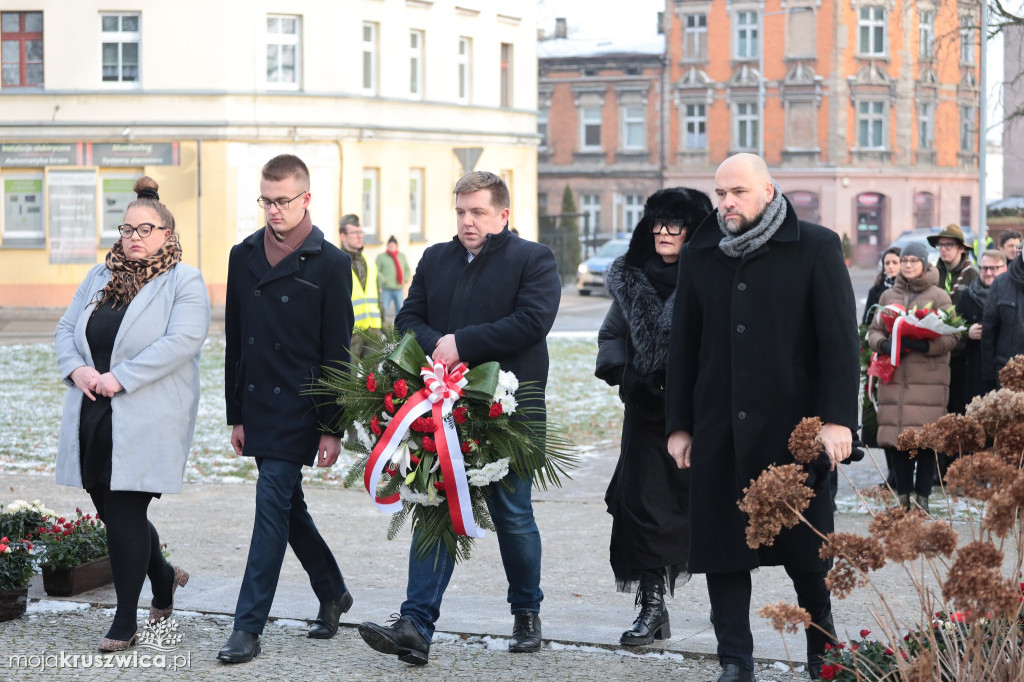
<point x="744" y="188"/>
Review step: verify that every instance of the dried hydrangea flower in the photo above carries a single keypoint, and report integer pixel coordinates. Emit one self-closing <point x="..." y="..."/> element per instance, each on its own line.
<point x="910" y="441"/>
<point x="955" y="434"/>
<point x="879" y="493"/>
<point x="896" y="528"/>
<point x="978" y="476"/>
<point x="855" y="556"/>
<point x="786" y="617"/>
<point x="938" y="538"/>
<point x="774" y="501"/>
<point x="922" y="669"/>
<point x="996" y="409"/>
<point x="803" y="442"/>
<point x="1005" y="506"/>
<point x="1011" y="376"/>
<point x="975" y="584"/>
<point x="1009" y="443"/>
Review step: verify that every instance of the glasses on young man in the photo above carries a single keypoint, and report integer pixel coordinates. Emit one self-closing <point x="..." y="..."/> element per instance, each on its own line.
<point x="281" y="204"/>
<point x="992" y="268"/>
<point x="144" y="229"/>
<point x="948" y="245"/>
<point x="673" y="227"/>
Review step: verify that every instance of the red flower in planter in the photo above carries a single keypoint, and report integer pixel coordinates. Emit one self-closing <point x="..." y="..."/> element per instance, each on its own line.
<point x="865" y="633"/>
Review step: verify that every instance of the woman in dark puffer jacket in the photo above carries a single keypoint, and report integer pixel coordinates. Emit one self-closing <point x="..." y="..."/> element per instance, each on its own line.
<point x="648" y="496"/>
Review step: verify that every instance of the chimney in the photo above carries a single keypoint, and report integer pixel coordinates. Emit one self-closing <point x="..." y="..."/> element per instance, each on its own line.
<point x="561" y="30"/>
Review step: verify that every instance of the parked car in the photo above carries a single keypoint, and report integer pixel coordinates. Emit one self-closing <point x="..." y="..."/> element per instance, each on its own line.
<point x="590" y="275"/>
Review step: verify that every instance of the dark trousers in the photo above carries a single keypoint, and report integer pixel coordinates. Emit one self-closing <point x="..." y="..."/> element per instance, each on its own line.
<point x="730" y="602"/>
<point x="904" y="467"/>
<point x="281" y="520"/>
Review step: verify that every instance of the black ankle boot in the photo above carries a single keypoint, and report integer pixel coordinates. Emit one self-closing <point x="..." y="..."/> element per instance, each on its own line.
<point x="816" y="640"/>
<point x="652" y="623"/>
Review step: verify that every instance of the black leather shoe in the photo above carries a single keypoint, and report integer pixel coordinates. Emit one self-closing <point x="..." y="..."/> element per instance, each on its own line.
<point x="241" y="647"/>
<point x="401" y="638"/>
<point x="734" y="673"/>
<point x="326" y="623"/>
<point x="525" y="633"/>
<point x="652" y="623"/>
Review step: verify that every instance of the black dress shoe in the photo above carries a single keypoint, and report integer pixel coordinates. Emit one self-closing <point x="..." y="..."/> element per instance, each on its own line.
<point x="525" y="633"/>
<point x="734" y="673"/>
<point x="401" y="638"/>
<point x="241" y="647"/>
<point x="326" y="623"/>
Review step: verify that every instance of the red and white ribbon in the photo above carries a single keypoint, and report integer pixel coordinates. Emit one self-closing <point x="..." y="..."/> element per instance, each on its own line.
<point x="441" y="389"/>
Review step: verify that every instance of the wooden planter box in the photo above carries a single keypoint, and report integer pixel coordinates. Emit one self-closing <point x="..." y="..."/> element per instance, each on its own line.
<point x="13" y="603"/>
<point x="67" y="582"/>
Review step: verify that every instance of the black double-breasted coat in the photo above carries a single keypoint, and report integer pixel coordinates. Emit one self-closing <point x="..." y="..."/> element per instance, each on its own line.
<point x="500" y="306"/>
<point x="758" y="343"/>
<point x="283" y="324"/>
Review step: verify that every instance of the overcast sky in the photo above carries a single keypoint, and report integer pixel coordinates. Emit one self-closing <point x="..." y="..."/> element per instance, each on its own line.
<point x="601" y="19"/>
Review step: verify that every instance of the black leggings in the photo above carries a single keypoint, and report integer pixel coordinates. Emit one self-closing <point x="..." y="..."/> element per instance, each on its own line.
<point x="903" y="468"/>
<point x="134" y="548"/>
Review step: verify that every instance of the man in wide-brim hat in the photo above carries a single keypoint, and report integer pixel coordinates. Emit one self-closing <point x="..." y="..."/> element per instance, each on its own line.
<point x="956" y="272"/>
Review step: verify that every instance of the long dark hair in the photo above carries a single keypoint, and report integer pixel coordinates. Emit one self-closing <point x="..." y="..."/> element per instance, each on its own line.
<point x="881" y="273"/>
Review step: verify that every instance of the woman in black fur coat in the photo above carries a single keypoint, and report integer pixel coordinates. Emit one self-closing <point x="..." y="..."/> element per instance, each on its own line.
<point x="648" y="496"/>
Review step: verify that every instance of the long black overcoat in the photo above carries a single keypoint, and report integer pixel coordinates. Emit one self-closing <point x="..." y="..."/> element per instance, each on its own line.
<point x="282" y="324"/>
<point x="500" y="306"/>
<point x="757" y="344"/>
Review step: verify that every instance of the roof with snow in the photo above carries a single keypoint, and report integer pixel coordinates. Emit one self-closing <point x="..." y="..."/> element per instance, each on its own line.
<point x="596" y="47"/>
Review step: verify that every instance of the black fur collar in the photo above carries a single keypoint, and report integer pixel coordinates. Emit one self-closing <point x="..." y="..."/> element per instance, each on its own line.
<point x="649" y="317"/>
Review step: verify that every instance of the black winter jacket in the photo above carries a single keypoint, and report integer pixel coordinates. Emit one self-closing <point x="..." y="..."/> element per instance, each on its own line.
<point x="1002" y="323"/>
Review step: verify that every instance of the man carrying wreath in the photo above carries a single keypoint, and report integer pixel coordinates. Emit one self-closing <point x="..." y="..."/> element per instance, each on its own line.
<point x="487" y="295"/>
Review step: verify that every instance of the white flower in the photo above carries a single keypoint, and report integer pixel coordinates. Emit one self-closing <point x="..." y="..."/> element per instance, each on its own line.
<point x="403" y="457"/>
<point x="489" y="473"/>
<point x="508" y="382"/>
<point x="428" y="500"/>
<point x="508" y="404"/>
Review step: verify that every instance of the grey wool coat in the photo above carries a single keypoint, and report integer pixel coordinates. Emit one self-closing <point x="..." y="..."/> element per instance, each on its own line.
<point x="156" y="359"/>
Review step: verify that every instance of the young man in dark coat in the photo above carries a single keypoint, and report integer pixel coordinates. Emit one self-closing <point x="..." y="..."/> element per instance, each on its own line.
<point x="288" y="312"/>
<point x="1003" y="322"/>
<point x="764" y="333"/>
<point x="487" y="295"/>
<point x="972" y="308"/>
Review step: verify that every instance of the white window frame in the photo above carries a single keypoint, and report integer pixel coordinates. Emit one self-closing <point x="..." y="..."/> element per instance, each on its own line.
<point x="632" y="209"/>
<point x="967" y="33"/>
<point x="747" y="126"/>
<point x="506" y="74"/>
<point x="591" y="205"/>
<point x="925" y="125"/>
<point x="967" y="130"/>
<point x="370" y="31"/>
<point x="746" y="34"/>
<point x="120" y="38"/>
<point x="871" y="119"/>
<point x="417" y="56"/>
<point x="542" y="126"/>
<point x="12" y="237"/>
<point x="589" y="119"/>
<point x="695" y="115"/>
<point x="695" y="37"/>
<point x="371" y="202"/>
<point x="926" y="33"/>
<point x="282" y="41"/>
<point x="416" y="194"/>
<point x="634" y="116"/>
<point x="464" y="84"/>
<point x="871" y="30"/>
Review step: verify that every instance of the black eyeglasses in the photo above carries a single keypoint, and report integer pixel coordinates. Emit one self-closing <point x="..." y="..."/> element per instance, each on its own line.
<point x="281" y="204"/>
<point x="991" y="268"/>
<point x="144" y="229"/>
<point x="673" y="227"/>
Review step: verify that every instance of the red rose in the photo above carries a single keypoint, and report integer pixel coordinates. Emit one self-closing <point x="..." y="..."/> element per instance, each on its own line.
<point x="401" y="389"/>
<point x="466" y="448"/>
<point x="828" y="646"/>
<point x="4" y="540"/>
<point x="29" y="545"/>
<point x="78" y="510"/>
<point x="829" y="672"/>
<point x="3" y="548"/>
<point x="60" y="520"/>
<point x="389" y="403"/>
<point x="495" y="411"/>
<point x="371" y="383"/>
<point x="428" y="444"/>
<point x="460" y="418"/>
<point x="67" y="532"/>
<point x="854" y="646"/>
<point x="865" y="633"/>
<point x="888" y="651"/>
<point x="375" y="426"/>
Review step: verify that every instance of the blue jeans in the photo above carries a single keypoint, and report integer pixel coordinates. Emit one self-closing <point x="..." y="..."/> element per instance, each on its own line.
<point x="281" y="520"/>
<point x="519" y="543"/>
<point x="389" y="297"/>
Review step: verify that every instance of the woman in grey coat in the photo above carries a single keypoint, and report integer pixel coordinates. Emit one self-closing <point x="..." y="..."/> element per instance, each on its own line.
<point x="128" y="348"/>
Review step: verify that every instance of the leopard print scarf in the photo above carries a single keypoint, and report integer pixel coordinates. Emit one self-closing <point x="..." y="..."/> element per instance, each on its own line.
<point x="128" y="276"/>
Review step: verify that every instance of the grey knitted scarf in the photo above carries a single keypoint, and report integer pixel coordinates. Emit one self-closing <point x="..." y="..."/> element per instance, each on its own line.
<point x="756" y="236"/>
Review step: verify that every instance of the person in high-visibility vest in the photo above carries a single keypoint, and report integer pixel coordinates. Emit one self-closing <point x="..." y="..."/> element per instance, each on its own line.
<point x="365" y="302"/>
